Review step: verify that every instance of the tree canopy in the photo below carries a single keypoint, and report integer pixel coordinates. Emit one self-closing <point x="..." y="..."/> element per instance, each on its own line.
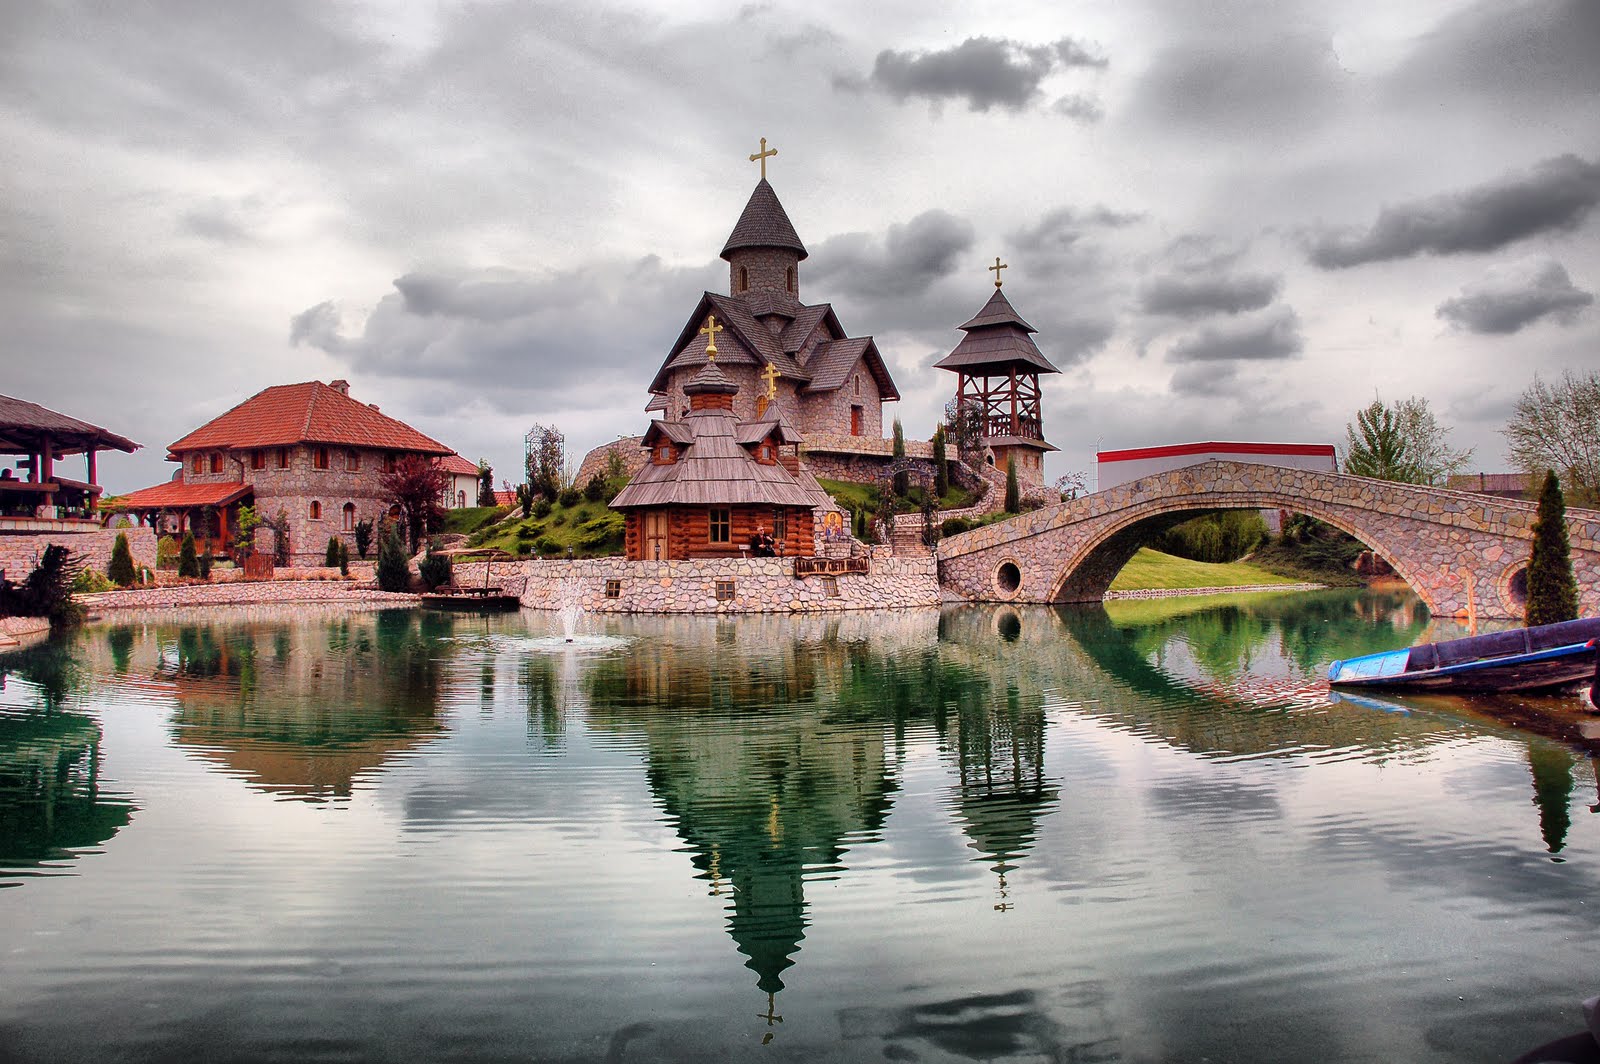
<point x="1557" y="426"/>
<point x="1402" y="442"/>
<point x="414" y="487"/>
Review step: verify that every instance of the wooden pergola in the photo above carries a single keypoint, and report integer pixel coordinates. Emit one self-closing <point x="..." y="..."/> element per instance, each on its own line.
<point x="32" y="487"/>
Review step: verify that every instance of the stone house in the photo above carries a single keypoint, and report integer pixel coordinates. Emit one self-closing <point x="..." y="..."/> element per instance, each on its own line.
<point x="308" y="451"/>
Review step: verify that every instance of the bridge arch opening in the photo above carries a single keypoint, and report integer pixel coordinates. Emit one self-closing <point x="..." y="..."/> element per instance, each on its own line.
<point x="1088" y="575"/>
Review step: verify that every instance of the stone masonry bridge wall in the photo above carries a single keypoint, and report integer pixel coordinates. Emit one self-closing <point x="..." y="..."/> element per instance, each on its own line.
<point x="1449" y="546"/>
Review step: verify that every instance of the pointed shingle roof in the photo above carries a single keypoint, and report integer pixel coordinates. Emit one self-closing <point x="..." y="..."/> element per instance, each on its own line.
<point x="764" y="225"/>
<point x="997" y="339"/>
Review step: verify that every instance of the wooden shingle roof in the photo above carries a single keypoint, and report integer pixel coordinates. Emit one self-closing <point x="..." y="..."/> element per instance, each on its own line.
<point x="311" y="412"/>
<point x="763" y="224"/>
<point x="997" y="340"/>
<point x="24" y="424"/>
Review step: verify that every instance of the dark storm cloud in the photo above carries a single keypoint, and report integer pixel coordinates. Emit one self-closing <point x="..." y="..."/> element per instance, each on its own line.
<point x="906" y="261"/>
<point x="1205" y="380"/>
<point x="1274" y="334"/>
<point x="1062" y="231"/>
<point x="984" y="71"/>
<point x="1512" y="298"/>
<point x="505" y="335"/>
<point x="1556" y="195"/>
<point x="1187" y="296"/>
<point x="1271" y="85"/>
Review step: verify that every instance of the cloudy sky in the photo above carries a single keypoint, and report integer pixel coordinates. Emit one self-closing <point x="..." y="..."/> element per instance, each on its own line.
<point x="1227" y="220"/>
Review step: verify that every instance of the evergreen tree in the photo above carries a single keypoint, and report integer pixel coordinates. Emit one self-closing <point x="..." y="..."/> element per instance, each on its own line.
<point x="1552" y="592"/>
<point x="941" y="465"/>
<point x="121" y="568"/>
<point x="204" y="559"/>
<point x="394" y="570"/>
<point x="344" y="559"/>
<point x="281" y="553"/>
<point x="902" y="482"/>
<point x="485" y="483"/>
<point x="188" y="561"/>
<point x="363" y="537"/>
<point x="1013" y="489"/>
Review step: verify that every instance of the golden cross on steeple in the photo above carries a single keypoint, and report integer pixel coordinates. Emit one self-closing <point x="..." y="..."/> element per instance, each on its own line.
<point x="710" y="333"/>
<point x="761" y="157"/>
<point x="771" y="375"/>
<point x="997" y="267"/>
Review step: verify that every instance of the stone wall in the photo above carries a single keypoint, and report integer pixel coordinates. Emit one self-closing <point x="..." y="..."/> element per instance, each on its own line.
<point x="1458" y="551"/>
<point x="760" y="585"/>
<point x="631" y="448"/>
<point x="19" y="553"/>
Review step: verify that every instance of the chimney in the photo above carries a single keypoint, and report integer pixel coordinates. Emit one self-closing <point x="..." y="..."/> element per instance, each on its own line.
<point x="340" y="386"/>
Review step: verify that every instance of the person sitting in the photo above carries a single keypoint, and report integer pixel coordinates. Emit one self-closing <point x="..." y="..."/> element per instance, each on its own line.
<point x="767" y="548"/>
<point x="756" y="539"/>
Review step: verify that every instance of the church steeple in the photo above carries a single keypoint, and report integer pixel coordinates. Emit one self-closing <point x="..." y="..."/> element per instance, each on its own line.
<point x="764" y="251"/>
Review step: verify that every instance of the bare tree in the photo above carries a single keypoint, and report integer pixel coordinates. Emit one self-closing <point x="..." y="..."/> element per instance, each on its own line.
<point x="1557" y="426"/>
<point x="545" y="459"/>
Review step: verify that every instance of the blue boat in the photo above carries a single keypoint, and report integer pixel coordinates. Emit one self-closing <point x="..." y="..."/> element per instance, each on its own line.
<point x="1543" y="658"/>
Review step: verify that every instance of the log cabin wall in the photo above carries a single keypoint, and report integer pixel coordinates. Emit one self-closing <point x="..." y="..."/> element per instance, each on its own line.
<point x="689" y="532"/>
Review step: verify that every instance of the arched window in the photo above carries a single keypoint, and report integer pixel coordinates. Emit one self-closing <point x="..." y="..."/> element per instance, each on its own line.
<point x="461" y="500"/>
<point x="744" y="278"/>
<point x="858" y="384"/>
<point x="789" y="279"/>
<point x="349" y="517"/>
<point x="316" y="510"/>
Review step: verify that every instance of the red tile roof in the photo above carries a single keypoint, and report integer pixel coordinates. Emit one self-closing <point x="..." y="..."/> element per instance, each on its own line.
<point x="175" y="494"/>
<point x="456" y="465"/>
<point x="311" y="412"/>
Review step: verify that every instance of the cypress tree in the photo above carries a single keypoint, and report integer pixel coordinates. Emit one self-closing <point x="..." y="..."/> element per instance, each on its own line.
<point x="1013" y="489"/>
<point x="941" y="469"/>
<point x="394" y="570"/>
<point x="188" y="561"/>
<point x="1552" y="592"/>
<point x="330" y="557"/>
<point x="902" y="482"/>
<point x="121" y="568"/>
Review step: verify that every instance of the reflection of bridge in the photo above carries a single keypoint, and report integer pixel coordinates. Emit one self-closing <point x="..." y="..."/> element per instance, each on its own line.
<point x="1457" y="550"/>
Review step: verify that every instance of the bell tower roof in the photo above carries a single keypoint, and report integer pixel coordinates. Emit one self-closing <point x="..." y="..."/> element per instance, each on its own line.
<point x="764" y="224"/>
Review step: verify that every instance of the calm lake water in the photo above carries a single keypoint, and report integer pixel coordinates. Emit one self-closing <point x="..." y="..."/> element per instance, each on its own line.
<point x="1139" y="833"/>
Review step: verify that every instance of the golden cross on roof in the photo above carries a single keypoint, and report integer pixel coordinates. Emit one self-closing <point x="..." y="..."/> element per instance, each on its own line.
<point x="997" y="267"/>
<point x="771" y="375"/>
<point x="761" y="157"/>
<point x="710" y="333"/>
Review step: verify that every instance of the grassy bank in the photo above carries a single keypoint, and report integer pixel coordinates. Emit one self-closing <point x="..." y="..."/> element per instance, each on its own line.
<point x="1152" y="570"/>
<point x="588" y="529"/>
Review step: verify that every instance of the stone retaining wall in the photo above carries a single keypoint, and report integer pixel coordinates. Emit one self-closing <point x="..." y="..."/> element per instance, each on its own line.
<point x="760" y="585"/>
<point x="19" y="552"/>
<point x="256" y="593"/>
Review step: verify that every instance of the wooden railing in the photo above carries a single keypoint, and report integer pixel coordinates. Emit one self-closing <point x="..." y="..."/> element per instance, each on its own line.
<point x="830" y="566"/>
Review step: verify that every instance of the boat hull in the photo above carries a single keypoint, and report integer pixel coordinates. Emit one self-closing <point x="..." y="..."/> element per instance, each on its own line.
<point x="1544" y="658"/>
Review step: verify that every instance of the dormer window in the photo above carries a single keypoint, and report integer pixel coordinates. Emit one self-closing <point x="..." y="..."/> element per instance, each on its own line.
<point x="197" y="464"/>
<point x="664" y="454"/>
<point x="216" y="461"/>
<point x="765" y="454"/>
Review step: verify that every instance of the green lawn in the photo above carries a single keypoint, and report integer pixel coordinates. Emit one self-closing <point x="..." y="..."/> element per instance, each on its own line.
<point x="854" y="496"/>
<point x="1151" y="570"/>
<point x="589" y="529"/>
<point x="472" y="518"/>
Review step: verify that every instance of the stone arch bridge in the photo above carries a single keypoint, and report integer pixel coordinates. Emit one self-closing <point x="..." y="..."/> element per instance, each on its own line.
<point x="1458" y="551"/>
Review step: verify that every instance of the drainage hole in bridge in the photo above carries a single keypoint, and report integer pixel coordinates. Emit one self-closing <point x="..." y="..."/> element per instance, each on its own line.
<point x="1008" y="577"/>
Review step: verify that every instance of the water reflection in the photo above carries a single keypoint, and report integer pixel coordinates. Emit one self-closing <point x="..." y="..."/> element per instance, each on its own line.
<point x="52" y="804"/>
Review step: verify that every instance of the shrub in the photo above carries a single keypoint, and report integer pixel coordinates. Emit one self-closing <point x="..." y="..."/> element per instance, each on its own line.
<point x="188" y="563"/>
<point x="203" y="561"/>
<point x="167" y="552"/>
<point x="344" y="559"/>
<point x="280" y="528"/>
<point x="47" y="592"/>
<point x="121" y="568"/>
<point x="1552" y="594"/>
<point x="546" y="546"/>
<point x="954" y="526"/>
<point x="434" y="569"/>
<point x="570" y="497"/>
<point x="394" y="571"/>
<point x="92" y="581"/>
<point x="330" y="557"/>
<point x="595" y="490"/>
<point x="541" y="509"/>
<point x="363" y="537"/>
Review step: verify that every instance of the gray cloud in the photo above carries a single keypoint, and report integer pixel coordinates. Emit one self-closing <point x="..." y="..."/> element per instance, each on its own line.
<point x="1205" y="380"/>
<point x="1271" y="335"/>
<point x="1539" y="52"/>
<point x="1269" y="85"/>
<point x="1555" y="195"/>
<point x="984" y="71"/>
<point x="1187" y="296"/>
<point x="1513" y="297"/>
<point x="906" y="261"/>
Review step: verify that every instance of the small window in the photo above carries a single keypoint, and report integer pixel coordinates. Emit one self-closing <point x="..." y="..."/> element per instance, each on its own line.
<point x="664" y="454"/>
<point x="216" y="461"/>
<point x="320" y="459"/>
<point x="721" y="525"/>
<point x="830" y="587"/>
<point x="283" y="458"/>
<point x="613" y="589"/>
<point x="197" y="464"/>
<point x="789" y="279"/>
<point x="352" y="462"/>
<point x="744" y="279"/>
<point x="316" y="510"/>
<point x="858" y="384"/>
<point x="349" y="517"/>
<point x="780" y="526"/>
<point x="388" y="463"/>
<point x="258" y="459"/>
<point x="724" y="590"/>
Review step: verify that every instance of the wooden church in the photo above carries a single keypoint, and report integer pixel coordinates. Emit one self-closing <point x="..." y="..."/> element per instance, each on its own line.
<point x="713" y="480"/>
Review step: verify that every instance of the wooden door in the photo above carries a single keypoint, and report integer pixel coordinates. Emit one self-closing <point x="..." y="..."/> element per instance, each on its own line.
<point x="655" y="535"/>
